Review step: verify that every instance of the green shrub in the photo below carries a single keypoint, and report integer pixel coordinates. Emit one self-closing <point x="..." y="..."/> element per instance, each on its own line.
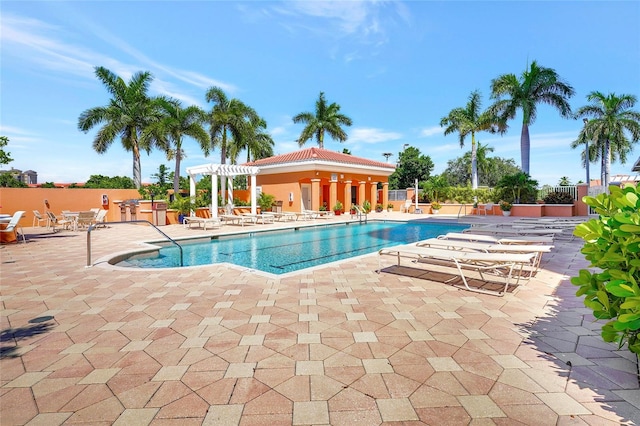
<point x="266" y="201"/>
<point x="183" y="205"/>
<point x="612" y="244"/>
<point x="558" y="198"/>
<point x="366" y="206"/>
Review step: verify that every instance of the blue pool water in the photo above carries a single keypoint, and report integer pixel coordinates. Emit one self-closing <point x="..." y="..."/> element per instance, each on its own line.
<point x="279" y="252"/>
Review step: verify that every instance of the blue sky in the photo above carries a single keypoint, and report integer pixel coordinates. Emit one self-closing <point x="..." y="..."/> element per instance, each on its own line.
<point x="396" y="68"/>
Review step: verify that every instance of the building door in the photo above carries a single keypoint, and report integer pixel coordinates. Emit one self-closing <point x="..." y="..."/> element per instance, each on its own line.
<point x="354" y="195"/>
<point x="305" y="201"/>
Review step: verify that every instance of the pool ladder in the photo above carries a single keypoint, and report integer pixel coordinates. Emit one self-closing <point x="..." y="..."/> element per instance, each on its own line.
<point x="359" y="214"/>
<point x="128" y="222"/>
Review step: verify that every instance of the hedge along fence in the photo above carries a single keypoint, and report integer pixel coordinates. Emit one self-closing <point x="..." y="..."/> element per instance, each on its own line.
<point x="612" y="244"/>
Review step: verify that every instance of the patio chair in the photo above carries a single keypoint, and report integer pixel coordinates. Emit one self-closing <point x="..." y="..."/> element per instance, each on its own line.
<point x="85" y="219"/>
<point x="100" y="218"/>
<point x="37" y="218"/>
<point x="485" y="209"/>
<point x="56" y="221"/>
<point x="464" y="261"/>
<point x="406" y="206"/>
<point x="13" y="226"/>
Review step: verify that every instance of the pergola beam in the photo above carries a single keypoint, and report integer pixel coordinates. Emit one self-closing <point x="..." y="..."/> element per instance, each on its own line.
<point x="223" y="170"/>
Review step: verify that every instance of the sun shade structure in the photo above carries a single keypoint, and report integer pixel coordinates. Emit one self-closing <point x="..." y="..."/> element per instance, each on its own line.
<point x="228" y="171"/>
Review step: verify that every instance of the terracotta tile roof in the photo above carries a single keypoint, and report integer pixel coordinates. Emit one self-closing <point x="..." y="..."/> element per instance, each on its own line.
<point x="317" y="154"/>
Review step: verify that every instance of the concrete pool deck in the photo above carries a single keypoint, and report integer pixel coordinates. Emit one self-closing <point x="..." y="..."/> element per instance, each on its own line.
<point x="339" y="344"/>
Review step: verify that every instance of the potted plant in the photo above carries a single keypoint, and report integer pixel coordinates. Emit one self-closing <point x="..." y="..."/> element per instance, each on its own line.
<point x="354" y="209"/>
<point x="323" y="207"/>
<point x="183" y="205"/>
<point x="505" y="206"/>
<point x="435" y="207"/>
<point x="378" y="208"/>
<point x="390" y="207"/>
<point x="366" y="206"/>
<point x="266" y="201"/>
<point x="337" y="209"/>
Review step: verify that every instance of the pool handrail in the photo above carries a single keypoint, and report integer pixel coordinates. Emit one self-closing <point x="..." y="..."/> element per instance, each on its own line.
<point x="128" y="221"/>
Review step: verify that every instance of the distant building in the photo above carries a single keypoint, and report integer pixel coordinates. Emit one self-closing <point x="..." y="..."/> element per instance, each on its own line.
<point x="29" y="177"/>
<point x="636" y="167"/>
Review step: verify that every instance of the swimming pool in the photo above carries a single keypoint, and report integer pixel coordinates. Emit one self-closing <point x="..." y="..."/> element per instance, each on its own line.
<point x="283" y="251"/>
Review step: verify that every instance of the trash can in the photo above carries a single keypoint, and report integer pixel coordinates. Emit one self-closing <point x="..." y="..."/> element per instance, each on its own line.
<point x="159" y="213"/>
<point x="277" y="207"/>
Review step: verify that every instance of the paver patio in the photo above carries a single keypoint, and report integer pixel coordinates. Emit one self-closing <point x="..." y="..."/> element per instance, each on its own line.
<point x="338" y="344"/>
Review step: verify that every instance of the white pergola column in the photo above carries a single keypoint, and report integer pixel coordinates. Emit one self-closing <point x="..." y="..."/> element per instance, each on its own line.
<point x="192" y="190"/>
<point x="214" y="195"/>
<point x="230" y="189"/>
<point x="254" y="200"/>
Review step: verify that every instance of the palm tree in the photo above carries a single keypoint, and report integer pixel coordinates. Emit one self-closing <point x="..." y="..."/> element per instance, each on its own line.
<point x="127" y="115"/>
<point x="258" y="142"/>
<point x="228" y="121"/>
<point x="327" y="118"/>
<point x="468" y="121"/>
<point x="485" y="166"/>
<point x="536" y="85"/>
<point x="175" y="124"/>
<point x="611" y="118"/>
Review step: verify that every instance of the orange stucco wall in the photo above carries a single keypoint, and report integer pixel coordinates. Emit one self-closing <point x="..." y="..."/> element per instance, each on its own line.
<point x="283" y="184"/>
<point x="74" y="199"/>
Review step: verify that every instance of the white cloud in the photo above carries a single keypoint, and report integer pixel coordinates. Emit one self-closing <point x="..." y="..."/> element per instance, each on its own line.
<point x="362" y="20"/>
<point x="430" y="131"/>
<point x="36" y="41"/>
<point x="277" y="131"/>
<point x="372" y="135"/>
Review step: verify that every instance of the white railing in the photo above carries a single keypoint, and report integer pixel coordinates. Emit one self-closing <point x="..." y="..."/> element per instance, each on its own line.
<point x="571" y="189"/>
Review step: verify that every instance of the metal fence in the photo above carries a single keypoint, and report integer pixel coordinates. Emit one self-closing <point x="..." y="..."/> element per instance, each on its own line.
<point x="571" y="189"/>
<point x="397" y="195"/>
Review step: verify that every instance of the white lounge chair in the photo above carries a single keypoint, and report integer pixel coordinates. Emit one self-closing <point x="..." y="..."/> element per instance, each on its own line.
<point x="463" y="261"/>
<point x="263" y="218"/>
<point x="512" y="231"/>
<point x="284" y="216"/>
<point x="485" y="247"/>
<point x="318" y="214"/>
<point x="13" y="226"/>
<point x="470" y="236"/>
<point x="237" y="219"/>
<point x="202" y="222"/>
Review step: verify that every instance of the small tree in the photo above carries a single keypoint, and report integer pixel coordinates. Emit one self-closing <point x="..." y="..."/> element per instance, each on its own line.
<point x="266" y="201"/>
<point x="518" y="188"/>
<point x="435" y="187"/>
<point x="612" y="244"/>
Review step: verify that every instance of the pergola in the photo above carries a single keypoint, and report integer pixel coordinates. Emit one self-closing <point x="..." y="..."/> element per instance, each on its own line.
<point x="223" y="170"/>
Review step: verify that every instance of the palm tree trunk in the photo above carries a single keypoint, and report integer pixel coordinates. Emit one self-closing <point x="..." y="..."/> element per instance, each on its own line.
<point x="223" y="160"/>
<point x="321" y="140"/>
<point x="137" y="174"/>
<point x="602" y="167"/>
<point x="176" y="174"/>
<point x="607" y="164"/>
<point x="474" y="162"/>
<point x="525" y="148"/>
